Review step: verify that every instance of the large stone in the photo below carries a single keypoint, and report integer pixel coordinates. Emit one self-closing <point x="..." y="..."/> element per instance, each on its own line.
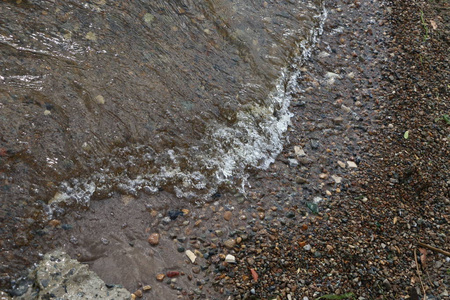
<point x="60" y="277"/>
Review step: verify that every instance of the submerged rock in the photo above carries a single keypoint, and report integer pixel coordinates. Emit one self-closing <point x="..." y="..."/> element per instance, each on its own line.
<point x="60" y="277"/>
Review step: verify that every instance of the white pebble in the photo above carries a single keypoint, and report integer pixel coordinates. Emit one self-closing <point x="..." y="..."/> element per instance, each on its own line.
<point x="191" y="255"/>
<point x="352" y="164"/>
<point x="230" y="258"/>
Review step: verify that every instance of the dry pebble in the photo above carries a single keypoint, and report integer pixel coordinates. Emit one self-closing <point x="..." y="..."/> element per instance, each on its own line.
<point x="153" y="239"/>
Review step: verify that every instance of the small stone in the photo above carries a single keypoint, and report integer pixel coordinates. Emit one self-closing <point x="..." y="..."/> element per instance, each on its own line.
<point x="314" y="144"/>
<point x="341" y="164"/>
<point x="230" y="259"/>
<point x="191" y="255"/>
<point x="99" y="99"/>
<point x="307" y="247"/>
<point x="230" y="243"/>
<point x="387" y="284"/>
<point x="227" y="215"/>
<point x="138" y="293"/>
<point x="292" y="162"/>
<point x="153" y="239"/>
<point x="328" y="193"/>
<point x="323" y="176"/>
<point x="54" y="223"/>
<point x="390" y="126"/>
<point x="196" y="270"/>
<point x="238" y="240"/>
<point x="301" y="180"/>
<point x="160" y="277"/>
<point x="261" y="215"/>
<point x="346" y="109"/>
<point x="173" y="274"/>
<point x="148" y="18"/>
<point x="146" y="288"/>
<point x="299" y="151"/>
<point x="91" y="36"/>
<point x="336" y="178"/>
<point x="47" y="112"/>
<point x="351" y="164"/>
<point x="338" y="120"/>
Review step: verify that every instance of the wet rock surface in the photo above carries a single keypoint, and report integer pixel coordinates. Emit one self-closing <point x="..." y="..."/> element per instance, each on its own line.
<point x="343" y="207"/>
<point x="60" y="277"/>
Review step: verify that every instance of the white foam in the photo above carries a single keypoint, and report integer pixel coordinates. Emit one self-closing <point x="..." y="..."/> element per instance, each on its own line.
<point x="253" y="141"/>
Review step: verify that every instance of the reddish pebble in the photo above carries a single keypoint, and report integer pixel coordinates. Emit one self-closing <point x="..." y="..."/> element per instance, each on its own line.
<point x="254" y="275"/>
<point x="153" y="239"/>
<point x="172" y="274"/>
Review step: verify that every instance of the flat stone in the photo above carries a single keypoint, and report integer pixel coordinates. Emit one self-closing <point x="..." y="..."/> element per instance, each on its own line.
<point x="191" y="255"/>
<point x="338" y="120"/>
<point x="230" y="243"/>
<point x="352" y="164"/>
<point x="341" y="164"/>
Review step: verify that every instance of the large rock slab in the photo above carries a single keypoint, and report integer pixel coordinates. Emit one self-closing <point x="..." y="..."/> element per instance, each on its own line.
<point x="58" y="276"/>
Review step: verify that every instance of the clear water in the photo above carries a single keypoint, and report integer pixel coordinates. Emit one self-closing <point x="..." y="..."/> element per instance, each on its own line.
<point x="105" y="96"/>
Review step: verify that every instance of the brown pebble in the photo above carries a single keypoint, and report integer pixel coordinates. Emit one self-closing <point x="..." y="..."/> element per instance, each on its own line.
<point x="138" y="293"/>
<point x="261" y="215"/>
<point x="147" y="288"/>
<point x="160" y="277"/>
<point x="227" y="215"/>
<point x="54" y="223"/>
<point x="153" y="239"/>
<point x="229" y="243"/>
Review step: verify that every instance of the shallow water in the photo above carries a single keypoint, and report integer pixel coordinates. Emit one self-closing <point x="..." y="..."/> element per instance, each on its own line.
<point x="106" y="96"/>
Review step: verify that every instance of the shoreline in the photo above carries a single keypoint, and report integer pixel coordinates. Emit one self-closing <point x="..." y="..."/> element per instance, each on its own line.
<point x="341" y="209"/>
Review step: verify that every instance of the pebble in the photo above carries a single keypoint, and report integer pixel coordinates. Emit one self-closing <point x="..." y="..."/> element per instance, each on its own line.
<point x="99" y="99"/>
<point x="160" y="277"/>
<point x="338" y="120"/>
<point x="153" y="239"/>
<point x="227" y="215"/>
<point x="230" y="259"/>
<point x="230" y="243"/>
<point x="351" y="164"/>
<point x="138" y="293"/>
<point x="341" y="164"/>
<point x="307" y="247"/>
<point x="336" y="178"/>
<point x="314" y="144"/>
<point x="299" y="151"/>
<point x="191" y="255"/>
<point x="146" y="288"/>
<point x="292" y="162"/>
<point x="172" y="274"/>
